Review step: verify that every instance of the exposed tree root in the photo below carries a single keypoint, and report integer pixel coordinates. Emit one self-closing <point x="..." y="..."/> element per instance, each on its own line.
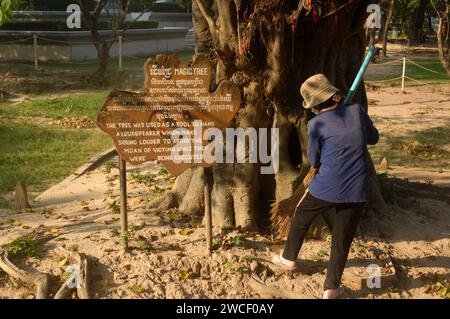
<point x="35" y="278"/>
<point x="64" y="290"/>
<point x="81" y="282"/>
<point x="259" y="287"/>
<point x="186" y="194"/>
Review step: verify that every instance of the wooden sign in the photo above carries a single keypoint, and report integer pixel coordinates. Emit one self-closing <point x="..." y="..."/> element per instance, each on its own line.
<point x="167" y="122"/>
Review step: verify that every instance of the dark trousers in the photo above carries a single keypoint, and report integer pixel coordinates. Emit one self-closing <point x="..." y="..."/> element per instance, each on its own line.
<point x="343" y="230"/>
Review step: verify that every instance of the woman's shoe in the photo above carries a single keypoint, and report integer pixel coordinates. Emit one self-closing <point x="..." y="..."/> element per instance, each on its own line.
<point x="288" y="264"/>
<point x="333" y="293"/>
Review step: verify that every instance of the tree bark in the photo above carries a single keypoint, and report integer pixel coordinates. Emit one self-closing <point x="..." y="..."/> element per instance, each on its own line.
<point x="443" y="35"/>
<point x="103" y="58"/>
<point x="35" y="278"/>
<point x="103" y="46"/>
<point x="280" y="58"/>
<point x="390" y="12"/>
<point x="415" y="24"/>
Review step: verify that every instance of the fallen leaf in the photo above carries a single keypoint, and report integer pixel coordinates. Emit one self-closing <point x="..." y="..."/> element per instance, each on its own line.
<point x="73" y="247"/>
<point x="185" y="231"/>
<point x="184" y="274"/>
<point x="16" y="223"/>
<point x="63" y="262"/>
<point x="84" y="203"/>
<point x="138" y="289"/>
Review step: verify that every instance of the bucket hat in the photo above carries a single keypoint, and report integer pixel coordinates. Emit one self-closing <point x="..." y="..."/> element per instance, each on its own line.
<point x="316" y="90"/>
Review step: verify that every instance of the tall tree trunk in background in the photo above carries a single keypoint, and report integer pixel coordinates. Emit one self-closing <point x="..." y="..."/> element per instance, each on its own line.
<point x="443" y="33"/>
<point x="103" y="59"/>
<point x="101" y="46"/>
<point x="286" y="46"/>
<point x="416" y="23"/>
<point x="104" y="45"/>
<point x="372" y="37"/>
<point x="390" y="12"/>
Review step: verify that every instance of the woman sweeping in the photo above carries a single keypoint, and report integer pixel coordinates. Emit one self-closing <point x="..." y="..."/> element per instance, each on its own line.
<point x="337" y="144"/>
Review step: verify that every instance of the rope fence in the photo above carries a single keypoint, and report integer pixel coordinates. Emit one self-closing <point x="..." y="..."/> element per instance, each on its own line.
<point x="17" y="41"/>
<point x="404" y="77"/>
<point x="35" y="39"/>
<point x="120" y="39"/>
<point x="424" y="68"/>
<point x="383" y="81"/>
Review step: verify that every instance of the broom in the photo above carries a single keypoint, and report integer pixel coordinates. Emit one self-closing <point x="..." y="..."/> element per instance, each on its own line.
<point x="281" y="213"/>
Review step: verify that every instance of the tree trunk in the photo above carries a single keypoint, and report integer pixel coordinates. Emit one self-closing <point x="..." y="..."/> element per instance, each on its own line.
<point x="386" y="26"/>
<point x="280" y="59"/>
<point x="415" y="25"/>
<point x="443" y="34"/>
<point x="100" y="76"/>
<point x="372" y="37"/>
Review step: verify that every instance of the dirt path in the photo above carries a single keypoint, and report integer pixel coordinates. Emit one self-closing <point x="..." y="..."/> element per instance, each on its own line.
<point x="410" y="245"/>
<point x="421" y="114"/>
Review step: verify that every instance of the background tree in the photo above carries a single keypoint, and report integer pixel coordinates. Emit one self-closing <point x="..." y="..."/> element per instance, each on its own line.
<point x="388" y="8"/>
<point x="416" y="22"/>
<point x="269" y="48"/>
<point x="410" y="15"/>
<point x="6" y="9"/>
<point x="442" y="8"/>
<point x="117" y="12"/>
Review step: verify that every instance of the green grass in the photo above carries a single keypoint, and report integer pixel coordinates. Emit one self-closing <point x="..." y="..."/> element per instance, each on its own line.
<point x="437" y="136"/>
<point x="26" y="246"/>
<point x="423" y="75"/>
<point x="79" y="68"/>
<point x="41" y="156"/>
<point x="393" y="147"/>
<point x="413" y="71"/>
<point x="146" y="179"/>
<point x="59" y="107"/>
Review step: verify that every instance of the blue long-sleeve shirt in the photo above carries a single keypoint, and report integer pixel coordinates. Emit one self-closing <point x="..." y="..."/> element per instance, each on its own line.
<point x="337" y="143"/>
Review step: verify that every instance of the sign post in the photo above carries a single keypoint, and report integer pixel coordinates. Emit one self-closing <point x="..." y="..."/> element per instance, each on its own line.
<point x="123" y="203"/>
<point x="208" y="213"/>
<point x="169" y="122"/>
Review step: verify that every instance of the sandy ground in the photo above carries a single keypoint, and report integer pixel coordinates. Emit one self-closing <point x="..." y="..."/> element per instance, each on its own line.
<point x="401" y="115"/>
<point x="411" y="247"/>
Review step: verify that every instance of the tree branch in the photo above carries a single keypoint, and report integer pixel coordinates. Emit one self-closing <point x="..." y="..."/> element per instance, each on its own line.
<point x="38" y="279"/>
<point x="98" y="10"/>
<point x="135" y="20"/>
<point x="209" y="17"/>
<point x="257" y="286"/>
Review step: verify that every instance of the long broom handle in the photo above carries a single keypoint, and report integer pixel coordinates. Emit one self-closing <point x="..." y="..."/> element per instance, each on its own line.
<point x="360" y="75"/>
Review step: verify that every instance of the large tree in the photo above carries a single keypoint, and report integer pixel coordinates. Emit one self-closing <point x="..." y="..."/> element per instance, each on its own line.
<point x="442" y="8"/>
<point x="269" y="48"/>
